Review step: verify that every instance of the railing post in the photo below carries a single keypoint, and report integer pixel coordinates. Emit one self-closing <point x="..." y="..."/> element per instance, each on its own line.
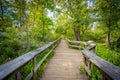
<point x="18" y="76"/>
<point x="87" y="65"/>
<point x="8" y="78"/>
<point x="95" y="49"/>
<point x="34" y="68"/>
<point x="105" y="77"/>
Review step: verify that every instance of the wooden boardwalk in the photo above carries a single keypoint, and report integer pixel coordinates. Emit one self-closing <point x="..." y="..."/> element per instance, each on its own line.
<point x="65" y="64"/>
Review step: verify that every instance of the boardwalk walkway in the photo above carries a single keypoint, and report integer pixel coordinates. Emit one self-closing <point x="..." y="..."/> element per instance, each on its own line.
<point x="64" y="65"/>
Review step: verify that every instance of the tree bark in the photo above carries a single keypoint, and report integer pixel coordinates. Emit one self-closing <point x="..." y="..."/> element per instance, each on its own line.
<point x="2" y="10"/>
<point x="109" y="34"/>
<point x="109" y="39"/>
<point x="118" y="43"/>
<point x="43" y="34"/>
<point x="76" y="34"/>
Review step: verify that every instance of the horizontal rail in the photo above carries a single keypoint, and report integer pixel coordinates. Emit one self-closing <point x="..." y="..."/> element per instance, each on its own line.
<point x="108" y="70"/>
<point x="12" y="66"/>
<point x="77" y="44"/>
<point x="40" y="62"/>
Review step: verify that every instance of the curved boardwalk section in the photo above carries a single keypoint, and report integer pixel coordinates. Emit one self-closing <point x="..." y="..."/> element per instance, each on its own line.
<point x="65" y="64"/>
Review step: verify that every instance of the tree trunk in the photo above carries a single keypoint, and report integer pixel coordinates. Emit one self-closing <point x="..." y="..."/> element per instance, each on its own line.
<point x="109" y="34"/>
<point x="2" y="11"/>
<point x="118" y="43"/>
<point x="109" y="39"/>
<point x="43" y="36"/>
<point x="77" y="34"/>
<point x="2" y="16"/>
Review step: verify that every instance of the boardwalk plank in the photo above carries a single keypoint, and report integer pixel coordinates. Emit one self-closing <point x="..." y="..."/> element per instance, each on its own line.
<point x="64" y="65"/>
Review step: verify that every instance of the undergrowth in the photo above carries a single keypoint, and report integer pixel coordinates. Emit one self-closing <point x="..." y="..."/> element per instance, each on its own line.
<point x="29" y="67"/>
<point x="42" y="67"/>
<point x="107" y="54"/>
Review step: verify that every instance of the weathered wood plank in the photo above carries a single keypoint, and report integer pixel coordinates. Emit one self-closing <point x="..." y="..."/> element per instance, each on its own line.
<point x="76" y="42"/>
<point x="89" y="45"/>
<point x="13" y="65"/>
<point x="64" y="65"/>
<point x="29" y="76"/>
<point x="34" y="66"/>
<point x="87" y="70"/>
<point x="18" y="76"/>
<point x="74" y="46"/>
<point x="43" y="59"/>
<point x="105" y="67"/>
<point x="108" y="70"/>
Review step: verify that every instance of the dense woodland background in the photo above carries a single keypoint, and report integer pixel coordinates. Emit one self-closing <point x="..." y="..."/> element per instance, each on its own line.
<point x="28" y="24"/>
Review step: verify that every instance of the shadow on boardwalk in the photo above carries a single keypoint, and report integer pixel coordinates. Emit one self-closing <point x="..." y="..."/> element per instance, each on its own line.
<point x="65" y="64"/>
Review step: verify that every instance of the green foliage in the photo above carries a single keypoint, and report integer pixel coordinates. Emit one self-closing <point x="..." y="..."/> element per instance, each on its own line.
<point x="95" y="74"/>
<point x="9" y="48"/>
<point x="25" y="25"/>
<point x="42" y="67"/>
<point x="107" y="54"/>
<point x="82" y="69"/>
<point x="109" y="13"/>
<point x="24" y="28"/>
<point x="26" y="70"/>
<point x="29" y="67"/>
<point x="97" y="35"/>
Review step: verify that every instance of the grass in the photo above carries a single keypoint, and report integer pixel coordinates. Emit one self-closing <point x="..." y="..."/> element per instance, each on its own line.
<point x="111" y="56"/>
<point x="105" y="53"/>
<point x="95" y="74"/>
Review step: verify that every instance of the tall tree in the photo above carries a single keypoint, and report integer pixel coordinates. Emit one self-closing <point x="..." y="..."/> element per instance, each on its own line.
<point x="109" y="10"/>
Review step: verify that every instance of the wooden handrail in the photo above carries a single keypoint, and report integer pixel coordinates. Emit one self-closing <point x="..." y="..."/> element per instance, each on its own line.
<point x="13" y="66"/>
<point x="89" y="46"/>
<point x="79" y="42"/>
<point x="108" y="70"/>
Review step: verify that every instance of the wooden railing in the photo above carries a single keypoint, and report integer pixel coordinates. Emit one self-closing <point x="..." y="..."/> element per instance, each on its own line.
<point x="13" y="67"/>
<point x="107" y="70"/>
<point x="75" y="44"/>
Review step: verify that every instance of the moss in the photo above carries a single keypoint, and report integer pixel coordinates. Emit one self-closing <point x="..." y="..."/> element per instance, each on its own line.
<point x="82" y="69"/>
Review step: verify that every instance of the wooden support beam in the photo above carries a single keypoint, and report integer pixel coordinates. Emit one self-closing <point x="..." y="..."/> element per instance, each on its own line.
<point x="18" y="76"/>
<point x="34" y="68"/>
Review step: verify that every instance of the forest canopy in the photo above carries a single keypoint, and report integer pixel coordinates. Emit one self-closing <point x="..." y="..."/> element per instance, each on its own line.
<point x="28" y="24"/>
